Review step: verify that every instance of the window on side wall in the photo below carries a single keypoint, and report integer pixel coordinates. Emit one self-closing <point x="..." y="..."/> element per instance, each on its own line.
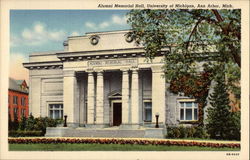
<point x="56" y="111"/>
<point x="15" y="99"/>
<point x="15" y="111"/>
<point x="148" y="111"/>
<point x="23" y="101"/>
<point x="188" y="110"/>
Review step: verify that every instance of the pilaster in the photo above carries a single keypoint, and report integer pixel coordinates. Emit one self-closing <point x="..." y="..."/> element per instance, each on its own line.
<point x="99" y="98"/>
<point x="158" y="94"/>
<point x="69" y="97"/>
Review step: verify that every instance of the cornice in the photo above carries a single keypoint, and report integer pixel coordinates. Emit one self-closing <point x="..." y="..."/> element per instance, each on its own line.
<point x="105" y="54"/>
<point x="43" y="65"/>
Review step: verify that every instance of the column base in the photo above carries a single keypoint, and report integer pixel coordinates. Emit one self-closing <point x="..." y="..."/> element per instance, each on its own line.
<point x="153" y="124"/>
<point x="72" y="125"/>
<point x="96" y="125"/>
<point x="129" y="126"/>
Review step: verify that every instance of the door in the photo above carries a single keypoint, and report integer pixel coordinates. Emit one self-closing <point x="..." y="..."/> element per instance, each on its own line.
<point x="117" y="114"/>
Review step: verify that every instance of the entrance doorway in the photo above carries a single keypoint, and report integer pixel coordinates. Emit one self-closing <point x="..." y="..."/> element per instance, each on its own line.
<point x="117" y="113"/>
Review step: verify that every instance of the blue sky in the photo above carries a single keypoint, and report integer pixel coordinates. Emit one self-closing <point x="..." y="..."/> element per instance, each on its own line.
<point x="45" y="30"/>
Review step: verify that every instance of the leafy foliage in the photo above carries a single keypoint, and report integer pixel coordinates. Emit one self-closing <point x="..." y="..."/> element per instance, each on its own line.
<point x="31" y="126"/>
<point x="186" y="132"/>
<point x="21" y="133"/>
<point x="222" y="123"/>
<point x="199" y="42"/>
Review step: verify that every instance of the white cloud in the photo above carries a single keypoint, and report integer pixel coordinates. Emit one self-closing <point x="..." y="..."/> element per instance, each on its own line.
<point x="39" y="28"/>
<point x="104" y="25"/>
<point x="114" y="20"/>
<point x="17" y="71"/>
<point x="37" y="35"/>
<point x="119" y="20"/>
<point x="90" y="25"/>
<point x="27" y="34"/>
<point x="75" y="33"/>
<point x="57" y="35"/>
<point x="14" y="40"/>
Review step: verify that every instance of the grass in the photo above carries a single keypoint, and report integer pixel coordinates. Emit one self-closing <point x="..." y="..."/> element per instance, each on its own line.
<point x="109" y="147"/>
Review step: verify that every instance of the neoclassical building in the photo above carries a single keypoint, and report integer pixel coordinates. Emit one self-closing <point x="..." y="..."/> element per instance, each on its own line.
<point x="102" y="79"/>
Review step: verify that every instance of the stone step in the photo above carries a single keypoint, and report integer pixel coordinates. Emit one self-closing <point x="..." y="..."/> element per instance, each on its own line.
<point x="111" y="133"/>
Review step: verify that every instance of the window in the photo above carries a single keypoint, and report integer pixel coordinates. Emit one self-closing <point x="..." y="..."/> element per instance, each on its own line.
<point x="15" y="99"/>
<point x="23" y="112"/>
<point x="23" y="101"/>
<point x="56" y="111"/>
<point x="15" y="112"/>
<point x="148" y="111"/>
<point x="188" y="110"/>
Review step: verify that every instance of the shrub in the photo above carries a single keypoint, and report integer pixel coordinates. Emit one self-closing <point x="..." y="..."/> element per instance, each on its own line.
<point x="186" y="132"/>
<point x="13" y="125"/>
<point x="22" y="123"/>
<point x="190" y="131"/>
<point x="19" y="133"/>
<point x="200" y="132"/>
<point x="173" y="132"/>
<point x="183" y="132"/>
<point x="31" y="124"/>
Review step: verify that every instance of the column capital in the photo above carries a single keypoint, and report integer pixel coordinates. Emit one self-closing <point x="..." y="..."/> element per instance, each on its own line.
<point x="69" y="73"/>
<point x="90" y="73"/>
<point x="100" y="73"/>
<point x="134" y="70"/>
<point x="157" y="68"/>
<point x="89" y="70"/>
<point x="124" y="69"/>
<point x="99" y="70"/>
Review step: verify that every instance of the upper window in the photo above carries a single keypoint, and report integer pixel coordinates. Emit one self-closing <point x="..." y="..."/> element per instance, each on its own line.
<point x="15" y="99"/>
<point x="188" y="110"/>
<point x="56" y="111"/>
<point x="148" y="111"/>
<point x="23" y="101"/>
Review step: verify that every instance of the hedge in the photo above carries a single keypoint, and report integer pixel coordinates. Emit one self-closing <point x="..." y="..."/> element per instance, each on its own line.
<point x="19" y="133"/>
<point x="120" y="141"/>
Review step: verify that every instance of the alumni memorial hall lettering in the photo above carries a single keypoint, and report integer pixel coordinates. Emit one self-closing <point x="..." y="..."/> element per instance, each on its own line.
<point x="118" y="62"/>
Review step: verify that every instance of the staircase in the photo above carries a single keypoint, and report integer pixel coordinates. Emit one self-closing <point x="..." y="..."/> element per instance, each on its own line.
<point x="104" y="132"/>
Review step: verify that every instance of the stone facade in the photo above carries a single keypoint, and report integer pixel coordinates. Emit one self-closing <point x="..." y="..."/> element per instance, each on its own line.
<point x="103" y="79"/>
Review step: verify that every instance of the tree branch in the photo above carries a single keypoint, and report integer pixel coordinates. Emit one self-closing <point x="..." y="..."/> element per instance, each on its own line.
<point x="193" y="31"/>
<point x="226" y="30"/>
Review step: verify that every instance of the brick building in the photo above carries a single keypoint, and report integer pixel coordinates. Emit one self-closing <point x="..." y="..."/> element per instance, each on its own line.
<point x="18" y="99"/>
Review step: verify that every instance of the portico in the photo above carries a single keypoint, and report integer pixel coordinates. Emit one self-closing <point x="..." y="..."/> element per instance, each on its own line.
<point x="114" y="97"/>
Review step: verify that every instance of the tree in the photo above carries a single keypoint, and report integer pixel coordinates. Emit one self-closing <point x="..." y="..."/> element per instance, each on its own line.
<point x="222" y="123"/>
<point x="199" y="42"/>
<point x="22" y="123"/>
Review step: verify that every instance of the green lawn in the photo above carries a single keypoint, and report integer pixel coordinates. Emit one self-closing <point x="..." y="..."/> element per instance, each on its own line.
<point x="109" y="147"/>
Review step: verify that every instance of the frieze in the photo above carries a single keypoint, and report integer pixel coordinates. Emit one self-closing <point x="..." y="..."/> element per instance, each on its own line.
<point x="113" y="62"/>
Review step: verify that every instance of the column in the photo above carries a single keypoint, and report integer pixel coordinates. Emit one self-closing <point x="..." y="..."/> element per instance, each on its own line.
<point x="91" y="103"/>
<point x="35" y="96"/>
<point x="125" y="96"/>
<point x="99" y="98"/>
<point x="135" y="97"/>
<point x="158" y="93"/>
<point x="69" y="101"/>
